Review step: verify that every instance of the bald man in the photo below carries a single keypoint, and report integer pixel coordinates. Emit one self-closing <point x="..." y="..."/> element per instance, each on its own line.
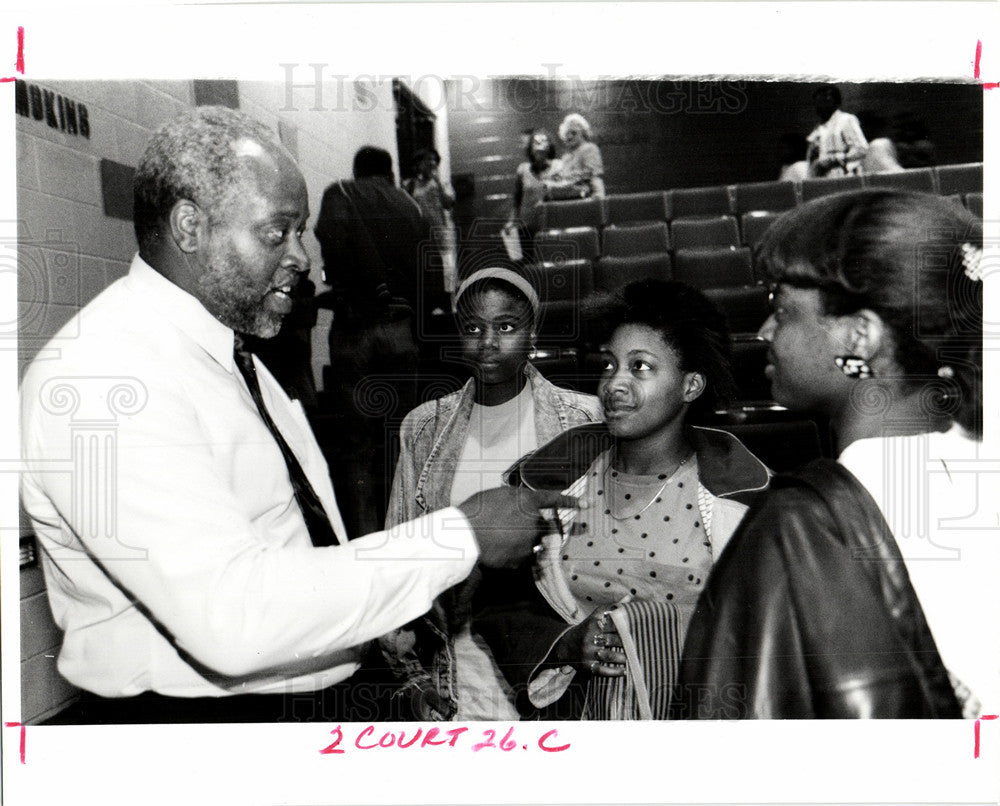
<point x="194" y="554"/>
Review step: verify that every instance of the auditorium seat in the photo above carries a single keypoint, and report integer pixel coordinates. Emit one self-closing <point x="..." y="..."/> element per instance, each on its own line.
<point x="700" y="201"/>
<point x="754" y="225"/>
<point x="814" y="188"/>
<point x="561" y="287"/>
<point x="745" y="307"/>
<point x="571" y="243"/>
<point x="749" y="361"/>
<point x="704" y="232"/>
<point x="634" y="208"/>
<point x="713" y="268"/>
<point x="919" y="179"/>
<point x="582" y="213"/>
<point x="974" y="203"/>
<point x="765" y="196"/>
<point x="782" y="446"/>
<point x="566" y="281"/>
<point x="612" y="273"/>
<point x="967" y="178"/>
<point x="635" y="240"/>
<point x="559" y="365"/>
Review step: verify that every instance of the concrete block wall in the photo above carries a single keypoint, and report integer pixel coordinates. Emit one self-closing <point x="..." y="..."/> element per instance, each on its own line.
<point x="69" y="250"/>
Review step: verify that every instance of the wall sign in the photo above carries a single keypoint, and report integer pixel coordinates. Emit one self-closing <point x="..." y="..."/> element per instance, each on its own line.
<point x="58" y="111"/>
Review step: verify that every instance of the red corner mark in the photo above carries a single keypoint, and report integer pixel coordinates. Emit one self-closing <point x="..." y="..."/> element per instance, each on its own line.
<point x="975" y="730"/>
<point x="19" y="63"/>
<point x="24" y="736"/>
<point x="987" y="85"/>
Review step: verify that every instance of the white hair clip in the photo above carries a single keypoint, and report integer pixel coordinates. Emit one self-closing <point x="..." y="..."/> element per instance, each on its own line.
<point x="971" y="258"/>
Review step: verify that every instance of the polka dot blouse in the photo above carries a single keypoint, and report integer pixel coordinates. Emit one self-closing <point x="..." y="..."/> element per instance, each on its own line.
<point x="641" y="536"/>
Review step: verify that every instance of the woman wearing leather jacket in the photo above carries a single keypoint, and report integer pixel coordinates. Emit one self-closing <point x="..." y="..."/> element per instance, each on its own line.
<point x="854" y="589"/>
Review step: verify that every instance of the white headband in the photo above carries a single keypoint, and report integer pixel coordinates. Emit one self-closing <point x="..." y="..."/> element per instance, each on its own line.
<point x="508" y="276"/>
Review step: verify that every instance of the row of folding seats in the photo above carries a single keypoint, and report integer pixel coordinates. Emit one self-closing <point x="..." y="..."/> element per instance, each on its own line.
<point x="725" y="276"/>
<point x="695" y="232"/>
<point x="573" y="243"/>
<point x="618" y="209"/>
<point x="573" y="280"/>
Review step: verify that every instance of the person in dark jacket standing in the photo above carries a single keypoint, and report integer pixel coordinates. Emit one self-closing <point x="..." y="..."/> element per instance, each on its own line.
<point x="862" y="587"/>
<point x="373" y="238"/>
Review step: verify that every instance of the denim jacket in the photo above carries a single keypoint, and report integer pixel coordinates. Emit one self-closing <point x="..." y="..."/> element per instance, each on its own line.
<point x="431" y="440"/>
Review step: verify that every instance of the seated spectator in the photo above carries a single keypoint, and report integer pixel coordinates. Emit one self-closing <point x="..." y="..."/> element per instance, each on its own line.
<point x="912" y="137"/>
<point x="582" y="166"/>
<point x="794" y="165"/>
<point x="462" y="443"/>
<point x="837" y="145"/>
<point x="851" y="590"/>
<point x="882" y="156"/>
<point x="664" y="498"/>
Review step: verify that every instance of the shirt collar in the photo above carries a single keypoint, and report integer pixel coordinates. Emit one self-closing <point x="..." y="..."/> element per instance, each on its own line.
<point x="183" y="311"/>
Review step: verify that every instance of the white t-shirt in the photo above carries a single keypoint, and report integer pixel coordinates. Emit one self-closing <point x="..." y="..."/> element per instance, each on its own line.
<point x="498" y="436"/>
<point x="938" y="493"/>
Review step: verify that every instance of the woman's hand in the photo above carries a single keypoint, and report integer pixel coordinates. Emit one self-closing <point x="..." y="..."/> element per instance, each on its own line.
<point x="593" y="646"/>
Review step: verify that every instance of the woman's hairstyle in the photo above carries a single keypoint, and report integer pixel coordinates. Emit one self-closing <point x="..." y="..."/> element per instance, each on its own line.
<point x="549" y="154"/>
<point x="578" y="119"/>
<point x="689" y="323"/>
<point x="421" y="154"/>
<point x="910" y="258"/>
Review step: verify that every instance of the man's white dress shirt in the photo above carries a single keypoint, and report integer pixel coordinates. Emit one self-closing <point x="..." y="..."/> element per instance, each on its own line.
<point x="175" y="555"/>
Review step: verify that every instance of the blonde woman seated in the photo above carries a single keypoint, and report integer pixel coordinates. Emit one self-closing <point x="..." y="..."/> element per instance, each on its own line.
<point x="458" y="445"/>
<point x="582" y="165"/>
<point x="664" y="498"/>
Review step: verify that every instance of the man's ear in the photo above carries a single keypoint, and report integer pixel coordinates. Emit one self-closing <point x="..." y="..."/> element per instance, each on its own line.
<point x="694" y="385"/>
<point x="187" y="225"/>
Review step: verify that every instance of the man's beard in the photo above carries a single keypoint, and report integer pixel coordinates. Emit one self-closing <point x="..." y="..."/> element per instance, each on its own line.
<point x="233" y="301"/>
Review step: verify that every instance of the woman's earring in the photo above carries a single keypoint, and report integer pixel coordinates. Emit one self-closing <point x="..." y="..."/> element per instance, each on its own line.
<point x="854" y="367"/>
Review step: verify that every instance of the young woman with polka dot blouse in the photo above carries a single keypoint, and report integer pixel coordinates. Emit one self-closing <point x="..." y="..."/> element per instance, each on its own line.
<point x="663" y="496"/>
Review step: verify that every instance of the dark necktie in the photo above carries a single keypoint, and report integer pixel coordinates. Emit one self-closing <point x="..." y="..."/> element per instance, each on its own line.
<point x="317" y="522"/>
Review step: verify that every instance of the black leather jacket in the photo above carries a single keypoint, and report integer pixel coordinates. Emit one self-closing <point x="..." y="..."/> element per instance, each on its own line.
<point x="810" y="613"/>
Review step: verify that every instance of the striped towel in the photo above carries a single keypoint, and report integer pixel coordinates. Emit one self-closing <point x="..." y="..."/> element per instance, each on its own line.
<point x="651" y="635"/>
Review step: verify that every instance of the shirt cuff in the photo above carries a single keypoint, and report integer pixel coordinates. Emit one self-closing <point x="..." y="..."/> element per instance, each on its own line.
<point x="444" y="536"/>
